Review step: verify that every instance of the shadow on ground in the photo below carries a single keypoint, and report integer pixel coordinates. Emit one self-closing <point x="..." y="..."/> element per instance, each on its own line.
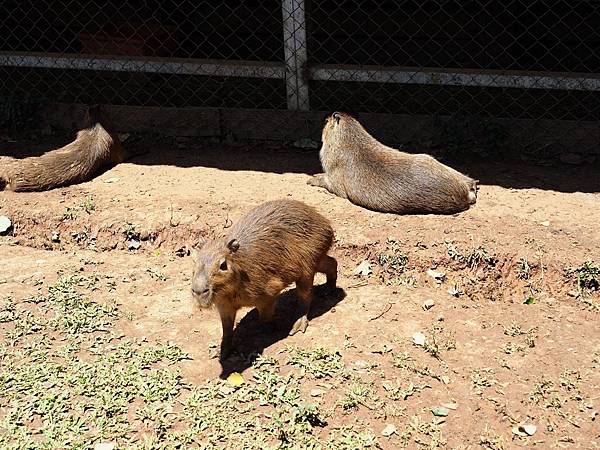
<point x="251" y="336"/>
<point x="277" y="158"/>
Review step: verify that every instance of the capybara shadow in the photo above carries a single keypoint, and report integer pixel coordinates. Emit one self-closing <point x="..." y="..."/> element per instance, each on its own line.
<point x="251" y="336"/>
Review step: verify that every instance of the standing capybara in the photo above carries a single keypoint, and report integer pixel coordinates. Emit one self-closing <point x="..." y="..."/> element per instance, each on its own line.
<point x="276" y="244"/>
<point x="380" y="178"/>
<point x="93" y="148"/>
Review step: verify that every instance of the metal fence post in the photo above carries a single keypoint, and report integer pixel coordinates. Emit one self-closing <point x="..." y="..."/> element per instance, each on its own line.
<point x="294" y="42"/>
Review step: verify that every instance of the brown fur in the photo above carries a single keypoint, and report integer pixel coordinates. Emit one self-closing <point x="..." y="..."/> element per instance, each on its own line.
<point x="94" y="147"/>
<point x="276" y="244"/>
<point x="380" y="178"/>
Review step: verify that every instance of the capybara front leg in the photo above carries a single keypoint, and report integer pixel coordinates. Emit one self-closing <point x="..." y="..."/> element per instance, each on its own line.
<point x="323" y="180"/>
<point x="320" y="180"/>
<point x="304" y="288"/>
<point x="227" y="322"/>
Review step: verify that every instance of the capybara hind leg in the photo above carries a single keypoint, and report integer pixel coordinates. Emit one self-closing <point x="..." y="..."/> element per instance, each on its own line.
<point x="328" y="266"/>
<point x="304" y="288"/>
<point x="227" y="321"/>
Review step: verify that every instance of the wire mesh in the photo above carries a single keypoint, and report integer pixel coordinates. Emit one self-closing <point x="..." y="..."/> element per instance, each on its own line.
<point x="534" y="61"/>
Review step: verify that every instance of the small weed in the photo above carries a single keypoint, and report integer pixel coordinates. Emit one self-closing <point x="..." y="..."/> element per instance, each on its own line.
<point x="490" y="442"/>
<point x="424" y="434"/>
<point x="476" y="258"/>
<point x="393" y="259"/>
<point x="405" y="361"/>
<point x="356" y="395"/>
<point x="480" y="379"/>
<point x="512" y="348"/>
<point x="71" y="212"/>
<point x="156" y="274"/>
<point x="479" y="257"/>
<point x="514" y="329"/>
<point x="397" y="392"/>
<point x="524" y="269"/>
<point x="436" y="342"/>
<point x="587" y="276"/>
<point x="319" y="362"/>
<point x="542" y="390"/>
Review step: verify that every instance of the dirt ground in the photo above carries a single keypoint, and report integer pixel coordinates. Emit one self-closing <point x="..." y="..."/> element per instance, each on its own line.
<point x="512" y="336"/>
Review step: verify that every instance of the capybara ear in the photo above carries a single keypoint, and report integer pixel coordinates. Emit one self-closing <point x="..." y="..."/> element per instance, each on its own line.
<point x="336" y="116"/>
<point x="233" y="245"/>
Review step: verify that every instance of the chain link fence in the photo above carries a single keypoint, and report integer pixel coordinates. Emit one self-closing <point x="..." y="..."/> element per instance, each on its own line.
<point x="494" y="71"/>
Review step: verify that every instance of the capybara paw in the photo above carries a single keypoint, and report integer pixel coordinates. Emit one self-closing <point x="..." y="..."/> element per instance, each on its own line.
<point x="312" y="181"/>
<point x="300" y="325"/>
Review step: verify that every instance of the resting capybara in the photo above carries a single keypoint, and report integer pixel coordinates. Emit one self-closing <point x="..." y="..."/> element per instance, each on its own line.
<point x="380" y="178"/>
<point x="93" y="148"/>
<point x="274" y="245"/>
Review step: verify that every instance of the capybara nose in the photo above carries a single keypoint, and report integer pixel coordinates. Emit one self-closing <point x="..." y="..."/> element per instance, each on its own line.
<point x="199" y="291"/>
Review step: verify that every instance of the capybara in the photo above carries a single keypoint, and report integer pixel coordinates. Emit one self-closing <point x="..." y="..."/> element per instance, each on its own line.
<point x="94" y="147"/>
<point x="274" y="245"/>
<point x="380" y="178"/>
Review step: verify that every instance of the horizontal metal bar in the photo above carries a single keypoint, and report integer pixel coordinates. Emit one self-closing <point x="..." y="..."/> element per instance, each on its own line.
<point x="479" y="78"/>
<point x="249" y="69"/>
<point x="326" y="72"/>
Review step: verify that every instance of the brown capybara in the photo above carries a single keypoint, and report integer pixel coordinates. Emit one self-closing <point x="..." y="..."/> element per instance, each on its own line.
<point x="93" y="148"/>
<point x="274" y="245"/>
<point x="380" y="178"/>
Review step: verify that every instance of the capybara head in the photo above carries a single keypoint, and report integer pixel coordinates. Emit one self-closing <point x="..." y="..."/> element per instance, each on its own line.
<point x="95" y="114"/>
<point x="215" y="272"/>
<point x="340" y="126"/>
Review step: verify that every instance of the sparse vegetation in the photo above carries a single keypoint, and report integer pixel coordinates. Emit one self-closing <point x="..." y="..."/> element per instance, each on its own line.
<point x="87" y="205"/>
<point x="476" y="258"/>
<point x="524" y="269"/>
<point x="586" y="276"/>
<point x="318" y="362"/>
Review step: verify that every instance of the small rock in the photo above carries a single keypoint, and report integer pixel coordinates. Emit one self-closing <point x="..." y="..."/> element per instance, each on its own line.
<point x="571" y="158"/>
<point x="440" y="411"/>
<point x="428" y="304"/>
<point x="454" y="291"/>
<point x="112" y="180"/>
<point x="389" y="430"/>
<point x="306" y="143"/>
<point x="5" y="224"/>
<point x="437" y="276"/>
<point x="452" y="406"/>
<point x="545" y="223"/>
<point x="55" y="236"/>
<point x="445" y="379"/>
<point x="363" y="269"/>
<point x="529" y="429"/>
<point x="105" y="446"/>
<point x="133" y="244"/>
<point x="360" y="364"/>
<point x="316" y="392"/>
<point x="418" y="339"/>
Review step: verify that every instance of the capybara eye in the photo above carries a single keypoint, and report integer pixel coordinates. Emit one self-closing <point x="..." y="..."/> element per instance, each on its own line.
<point x="223" y="265"/>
